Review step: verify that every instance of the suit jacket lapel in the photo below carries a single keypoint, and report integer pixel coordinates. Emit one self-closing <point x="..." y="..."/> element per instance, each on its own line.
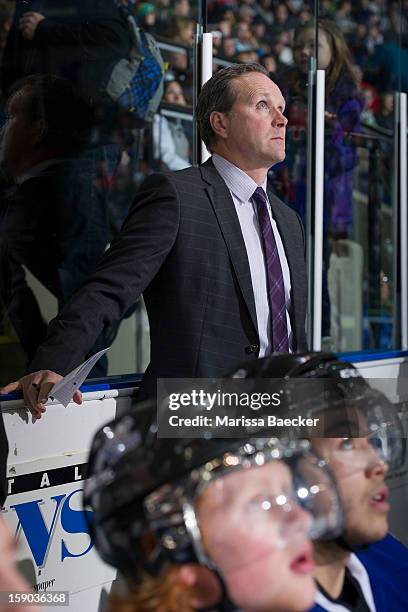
<point x="225" y="212"/>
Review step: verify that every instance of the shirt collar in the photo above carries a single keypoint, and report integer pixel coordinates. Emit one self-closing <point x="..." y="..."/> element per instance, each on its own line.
<point x="237" y="181"/>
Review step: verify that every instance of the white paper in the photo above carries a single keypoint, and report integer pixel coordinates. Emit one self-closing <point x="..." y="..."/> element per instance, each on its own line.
<point x="64" y="390"/>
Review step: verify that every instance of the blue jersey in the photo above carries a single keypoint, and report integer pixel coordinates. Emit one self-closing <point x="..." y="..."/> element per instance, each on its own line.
<point x="386" y="563"/>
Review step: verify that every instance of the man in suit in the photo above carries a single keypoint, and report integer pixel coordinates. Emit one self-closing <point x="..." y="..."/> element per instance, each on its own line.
<point x="221" y="267"/>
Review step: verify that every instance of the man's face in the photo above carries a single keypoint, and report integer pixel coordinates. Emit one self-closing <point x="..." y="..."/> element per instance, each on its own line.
<point x="360" y="475"/>
<point x="14" y="136"/>
<point x="255" y="127"/>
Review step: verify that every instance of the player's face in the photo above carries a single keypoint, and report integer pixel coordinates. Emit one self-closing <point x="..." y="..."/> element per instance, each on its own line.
<point x="260" y="548"/>
<point x="360" y="475"/>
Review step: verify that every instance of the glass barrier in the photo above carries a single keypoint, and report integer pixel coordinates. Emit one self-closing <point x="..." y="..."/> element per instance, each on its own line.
<point x="62" y="205"/>
<point x="360" y="201"/>
<point x="78" y="191"/>
<point x="360" y="262"/>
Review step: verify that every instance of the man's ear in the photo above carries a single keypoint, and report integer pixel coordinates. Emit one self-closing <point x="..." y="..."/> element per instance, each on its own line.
<point x="204" y="583"/>
<point x="39" y="130"/>
<point x="219" y="123"/>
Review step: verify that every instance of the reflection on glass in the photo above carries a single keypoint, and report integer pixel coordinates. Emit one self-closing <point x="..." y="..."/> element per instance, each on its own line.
<point x="359" y="166"/>
<point x="343" y="105"/>
<point x="76" y="41"/>
<point x="172" y="137"/>
<point x="364" y="50"/>
<point x="358" y="275"/>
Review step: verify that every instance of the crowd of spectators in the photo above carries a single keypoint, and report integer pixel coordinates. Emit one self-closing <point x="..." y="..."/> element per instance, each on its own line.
<point x="263" y="31"/>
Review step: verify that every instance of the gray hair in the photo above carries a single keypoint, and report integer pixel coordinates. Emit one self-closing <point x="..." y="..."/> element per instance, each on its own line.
<point x="218" y="95"/>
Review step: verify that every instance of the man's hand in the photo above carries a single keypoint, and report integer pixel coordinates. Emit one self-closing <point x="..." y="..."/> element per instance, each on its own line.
<point x="36" y="388"/>
<point x="28" y="24"/>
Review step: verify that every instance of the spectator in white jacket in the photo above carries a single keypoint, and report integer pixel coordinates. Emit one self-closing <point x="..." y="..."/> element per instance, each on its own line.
<point x="171" y="145"/>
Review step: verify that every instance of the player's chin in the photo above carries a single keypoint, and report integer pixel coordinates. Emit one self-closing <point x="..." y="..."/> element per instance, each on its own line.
<point x="300" y="593"/>
<point x="364" y="536"/>
<point x="379" y="529"/>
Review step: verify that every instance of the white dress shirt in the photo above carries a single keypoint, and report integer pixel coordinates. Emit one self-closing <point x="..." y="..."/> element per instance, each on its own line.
<point x="242" y="187"/>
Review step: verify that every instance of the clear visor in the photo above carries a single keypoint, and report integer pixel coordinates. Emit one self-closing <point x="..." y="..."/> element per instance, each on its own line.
<point x="361" y="435"/>
<point x="247" y="515"/>
<point x="346" y="456"/>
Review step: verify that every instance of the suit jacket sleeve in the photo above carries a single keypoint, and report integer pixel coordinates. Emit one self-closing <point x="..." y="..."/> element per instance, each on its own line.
<point x="124" y="272"/>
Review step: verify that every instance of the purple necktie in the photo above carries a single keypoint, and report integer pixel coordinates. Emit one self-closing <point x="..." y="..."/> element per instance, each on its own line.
<point x="276" y="288"/>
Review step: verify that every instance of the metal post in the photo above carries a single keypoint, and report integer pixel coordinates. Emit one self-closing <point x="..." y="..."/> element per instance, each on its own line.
<point x="402" y="166"/>
<point x="309" y="194"/>
<point x="206" y="74"/>
<point x="318" y="210"/>
<point x="196" y="88"/>
<point x="202" y="60"/>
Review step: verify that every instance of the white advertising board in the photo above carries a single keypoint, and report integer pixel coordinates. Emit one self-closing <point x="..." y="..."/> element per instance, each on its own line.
<point x="44" y="503"/>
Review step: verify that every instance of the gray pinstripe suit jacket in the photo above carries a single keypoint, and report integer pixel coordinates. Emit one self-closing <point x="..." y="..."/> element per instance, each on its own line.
<point x="182" y="247"/>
